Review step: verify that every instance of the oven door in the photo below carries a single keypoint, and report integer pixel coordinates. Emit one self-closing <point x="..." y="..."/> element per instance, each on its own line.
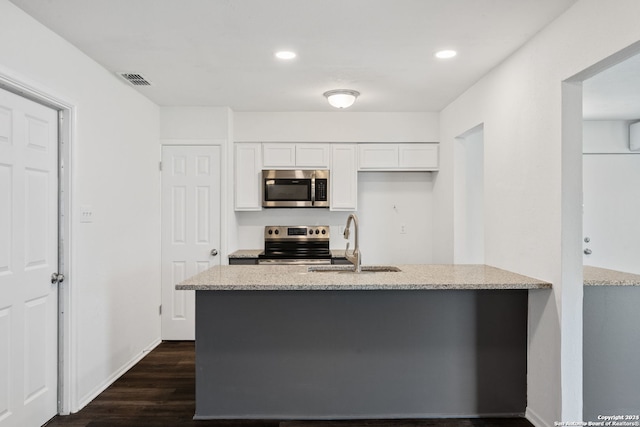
<point x="287" y="188"/>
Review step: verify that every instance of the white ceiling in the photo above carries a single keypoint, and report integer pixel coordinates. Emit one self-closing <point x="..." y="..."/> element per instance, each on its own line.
<point x="220" y="52"/>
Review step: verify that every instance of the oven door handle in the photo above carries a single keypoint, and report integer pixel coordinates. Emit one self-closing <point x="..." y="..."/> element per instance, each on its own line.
<point x="313" y="188"/>
<point x="294" y="262"/>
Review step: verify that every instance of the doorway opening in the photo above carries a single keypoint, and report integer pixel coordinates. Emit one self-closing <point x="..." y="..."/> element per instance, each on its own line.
<point x="469" y="178"/>
<point x="598" y="159"/>
<point x="611" y="167"/>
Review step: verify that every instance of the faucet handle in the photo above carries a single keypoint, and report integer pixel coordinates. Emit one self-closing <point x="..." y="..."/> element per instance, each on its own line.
<point x="346" y="233"/>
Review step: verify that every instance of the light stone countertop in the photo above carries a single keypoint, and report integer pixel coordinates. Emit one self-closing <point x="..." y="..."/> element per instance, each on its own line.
<point x="596" y="276"/>
<point x="411" y="277"/>
<point x="246" y="253"/>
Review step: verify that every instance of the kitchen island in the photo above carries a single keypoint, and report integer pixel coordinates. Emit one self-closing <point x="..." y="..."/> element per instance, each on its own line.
<point x="282" y="342"/>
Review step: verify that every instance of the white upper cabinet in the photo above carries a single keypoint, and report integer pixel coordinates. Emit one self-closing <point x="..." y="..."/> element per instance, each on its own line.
<point x="405" y="157"/>
<point x="248" y="170"/>
<point x="418" y="156"/>
<point x="312" y="156"/>
<point x="378" y="156"/>
<point x="278" y="155"/>
<point x="344" y="177"/>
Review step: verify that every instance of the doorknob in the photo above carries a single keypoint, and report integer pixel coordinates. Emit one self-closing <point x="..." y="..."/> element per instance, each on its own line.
<point x="214" y="252"/>
<point x="587" y="251"/>
<point x="57" y="278"/>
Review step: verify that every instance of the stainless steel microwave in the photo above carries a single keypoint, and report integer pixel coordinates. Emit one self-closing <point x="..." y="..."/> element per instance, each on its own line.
<point x="295" y="188"/>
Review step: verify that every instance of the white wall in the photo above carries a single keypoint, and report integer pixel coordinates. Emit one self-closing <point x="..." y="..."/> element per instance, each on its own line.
<point x="194" y="123"/>
<point x="378" y="192"/>
<point x="605" y="136"/>
<point x="115" y="275"/>
<point x="521" y="105"/>
<point x="611" y="188"/>
<point x="387" y="202"/>
<point x="336" y="127"/>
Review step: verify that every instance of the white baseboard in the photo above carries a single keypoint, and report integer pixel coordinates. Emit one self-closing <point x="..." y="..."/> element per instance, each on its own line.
<point x="113" y="377"/>
<point x="535" y="419"/>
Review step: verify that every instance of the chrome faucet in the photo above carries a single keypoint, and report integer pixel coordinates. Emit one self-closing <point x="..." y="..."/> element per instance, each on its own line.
<point x="354" y="257"/>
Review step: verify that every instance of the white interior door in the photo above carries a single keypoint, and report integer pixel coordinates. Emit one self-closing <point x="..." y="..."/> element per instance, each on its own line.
<point x="28" y="256"/>
<point x="190" y="230"/>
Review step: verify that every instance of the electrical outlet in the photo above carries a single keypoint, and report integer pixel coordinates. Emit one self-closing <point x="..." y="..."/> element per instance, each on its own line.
<point x="86" y="213"/>
<point x="403" y="229"/>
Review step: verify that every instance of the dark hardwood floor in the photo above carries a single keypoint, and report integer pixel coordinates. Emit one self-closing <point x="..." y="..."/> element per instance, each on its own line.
<point x="160" y="391"/>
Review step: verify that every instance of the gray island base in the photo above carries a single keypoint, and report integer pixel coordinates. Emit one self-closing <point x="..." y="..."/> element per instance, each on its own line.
<point x="353" y="354"/>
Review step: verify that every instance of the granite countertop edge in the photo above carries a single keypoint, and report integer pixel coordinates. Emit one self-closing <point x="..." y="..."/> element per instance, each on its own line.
<point x="597" y="276"/>
<point x="411" y="277"/>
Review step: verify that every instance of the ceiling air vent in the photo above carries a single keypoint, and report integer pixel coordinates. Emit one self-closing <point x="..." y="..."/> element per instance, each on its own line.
<point x="135" y="79"/>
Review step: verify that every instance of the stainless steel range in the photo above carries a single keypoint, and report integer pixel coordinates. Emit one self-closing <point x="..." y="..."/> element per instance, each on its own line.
<point x="299" y="244"/>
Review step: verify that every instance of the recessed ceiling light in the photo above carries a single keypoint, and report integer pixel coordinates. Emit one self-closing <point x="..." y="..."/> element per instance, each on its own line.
<point x="285" y="54"/>
<point x="446" y="54"/>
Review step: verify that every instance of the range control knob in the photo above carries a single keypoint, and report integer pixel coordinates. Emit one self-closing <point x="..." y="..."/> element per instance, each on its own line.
<point x="317" y="231"/>
<point x="277" y="231"/>
<point x="310" y="231"/>
<point x="270" y="231"/>
<point x="324" y="231"/>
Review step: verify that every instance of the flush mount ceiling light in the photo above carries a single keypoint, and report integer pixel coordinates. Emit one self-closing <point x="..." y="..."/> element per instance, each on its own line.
<point x="285" y="54"/>
<point x="446" y="54"/>
<point x="341" y="98"/>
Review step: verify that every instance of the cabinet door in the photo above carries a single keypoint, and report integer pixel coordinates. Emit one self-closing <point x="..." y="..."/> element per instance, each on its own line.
<point x="279" y="155"/>
<point x="418" y="156"/>
<point x="344" y="177"/>
<point x="248" y="169"/>
<point x="312" y="156"/>
<point x="378" y="156"/>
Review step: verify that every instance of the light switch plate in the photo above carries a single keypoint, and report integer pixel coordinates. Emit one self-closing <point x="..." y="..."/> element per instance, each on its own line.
<point x="86" y="213"/>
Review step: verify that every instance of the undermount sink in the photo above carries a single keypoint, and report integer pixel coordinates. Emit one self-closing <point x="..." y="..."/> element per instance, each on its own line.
<point x="349" y="269"/>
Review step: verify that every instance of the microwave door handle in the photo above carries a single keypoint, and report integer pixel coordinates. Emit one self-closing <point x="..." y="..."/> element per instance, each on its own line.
<point x="313" y="188"/>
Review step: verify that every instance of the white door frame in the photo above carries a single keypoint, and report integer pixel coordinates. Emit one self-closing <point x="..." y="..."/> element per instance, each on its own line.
<point x="66" y="325"/>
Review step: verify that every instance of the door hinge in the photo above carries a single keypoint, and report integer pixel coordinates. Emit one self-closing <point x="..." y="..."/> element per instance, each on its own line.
<point x="160" y="309"/>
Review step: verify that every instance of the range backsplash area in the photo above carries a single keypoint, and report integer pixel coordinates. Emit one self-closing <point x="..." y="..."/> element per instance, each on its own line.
<point x="395" y="211"/>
